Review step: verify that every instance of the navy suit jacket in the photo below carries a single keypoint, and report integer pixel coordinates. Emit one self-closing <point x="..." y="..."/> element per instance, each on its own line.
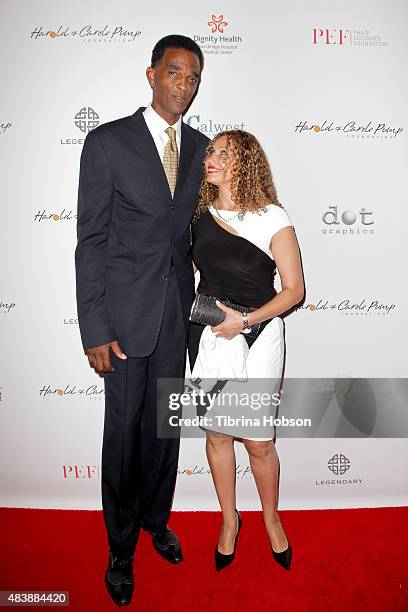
<point x="129" y="229"/>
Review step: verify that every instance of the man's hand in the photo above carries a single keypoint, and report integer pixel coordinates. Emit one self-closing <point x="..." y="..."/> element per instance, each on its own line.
<point x="99" y="358"/>
<point x="231" y="325"/>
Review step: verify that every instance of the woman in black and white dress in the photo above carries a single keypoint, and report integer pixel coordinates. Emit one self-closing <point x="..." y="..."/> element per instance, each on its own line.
<point x="241" y="235"/>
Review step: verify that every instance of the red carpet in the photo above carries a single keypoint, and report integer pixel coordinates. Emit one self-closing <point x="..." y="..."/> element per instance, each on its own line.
<point x="348" y="560"/>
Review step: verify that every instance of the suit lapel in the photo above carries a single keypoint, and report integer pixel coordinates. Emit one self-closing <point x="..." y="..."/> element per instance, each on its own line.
<point x="188" y="148"/>
<point x="149" y="152"/>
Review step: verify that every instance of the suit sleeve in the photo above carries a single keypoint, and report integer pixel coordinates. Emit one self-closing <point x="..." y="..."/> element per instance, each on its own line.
<point x="95" y="198"/>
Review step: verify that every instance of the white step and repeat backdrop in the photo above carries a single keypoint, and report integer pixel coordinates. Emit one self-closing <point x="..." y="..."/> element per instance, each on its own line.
<point x="323" y="85"/>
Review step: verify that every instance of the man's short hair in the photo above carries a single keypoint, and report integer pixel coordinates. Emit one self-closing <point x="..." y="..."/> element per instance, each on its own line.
<point x="176" y="41"/>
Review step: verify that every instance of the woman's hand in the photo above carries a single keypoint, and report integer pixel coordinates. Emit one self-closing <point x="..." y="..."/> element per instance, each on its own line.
<point x="232" y="324"/>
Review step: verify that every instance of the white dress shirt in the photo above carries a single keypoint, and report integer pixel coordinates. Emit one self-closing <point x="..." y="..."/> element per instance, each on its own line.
<point x="157" y="126"/>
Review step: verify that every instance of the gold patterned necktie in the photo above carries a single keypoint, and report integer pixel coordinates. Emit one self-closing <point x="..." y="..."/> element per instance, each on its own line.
<point x="171" y="159"/>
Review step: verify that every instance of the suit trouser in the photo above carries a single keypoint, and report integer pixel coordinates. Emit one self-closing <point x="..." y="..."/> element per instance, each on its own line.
<point x="139" y="469"/>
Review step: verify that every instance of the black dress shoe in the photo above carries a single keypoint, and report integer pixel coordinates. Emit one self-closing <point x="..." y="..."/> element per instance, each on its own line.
<point x="284" y="558"/>
<point x="166" y="543"/>
<point x="119" y="579"/>
<point x="221" y="561"/>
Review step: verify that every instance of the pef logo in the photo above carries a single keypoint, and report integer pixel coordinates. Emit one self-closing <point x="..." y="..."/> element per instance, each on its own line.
<point x="86" y="119"/>
<point x="331" y="36"/>
<point x="339" y="464"/>
<point x="341" y="37"/>
<point x="217" y="24"/>
<point x="339" y="223"/>
<point x="76" y="472"/>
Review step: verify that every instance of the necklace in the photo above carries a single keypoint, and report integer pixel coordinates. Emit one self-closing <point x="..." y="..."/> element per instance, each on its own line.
<point x="222" y="218"/>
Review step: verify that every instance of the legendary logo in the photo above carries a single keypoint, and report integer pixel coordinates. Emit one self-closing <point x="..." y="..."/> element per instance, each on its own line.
<point x="86" y="119"/>
<point x="339" y="464"/>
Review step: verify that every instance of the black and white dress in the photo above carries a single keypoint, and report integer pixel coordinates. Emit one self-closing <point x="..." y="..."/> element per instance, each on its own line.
<point x="240" y="267"/>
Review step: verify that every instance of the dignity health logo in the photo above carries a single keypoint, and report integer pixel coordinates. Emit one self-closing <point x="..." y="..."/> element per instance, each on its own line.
<point x="87" y="33"/>
<point x="218" y="43"/>
<point x="217" y="24"/>
<point x="351" y="129"/>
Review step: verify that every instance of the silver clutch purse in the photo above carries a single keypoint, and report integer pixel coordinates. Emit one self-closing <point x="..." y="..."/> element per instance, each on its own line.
<point x="206" y="312"/>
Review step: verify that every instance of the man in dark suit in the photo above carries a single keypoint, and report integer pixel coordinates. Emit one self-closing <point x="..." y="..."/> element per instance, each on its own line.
<point x="138" y="187"/>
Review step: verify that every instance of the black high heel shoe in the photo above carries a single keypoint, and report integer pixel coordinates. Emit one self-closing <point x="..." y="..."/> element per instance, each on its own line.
<point x="221" y="561"/>
<point x="284" y="558"/>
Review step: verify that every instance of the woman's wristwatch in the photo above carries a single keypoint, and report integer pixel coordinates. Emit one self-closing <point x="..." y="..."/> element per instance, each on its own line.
<point x="246" y="328"/>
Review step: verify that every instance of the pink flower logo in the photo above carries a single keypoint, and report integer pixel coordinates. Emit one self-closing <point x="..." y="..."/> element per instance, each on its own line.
<point x="217" y="23"/>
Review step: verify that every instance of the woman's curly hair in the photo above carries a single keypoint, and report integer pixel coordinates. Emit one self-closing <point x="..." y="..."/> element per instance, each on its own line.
<point x="252" y="187"/>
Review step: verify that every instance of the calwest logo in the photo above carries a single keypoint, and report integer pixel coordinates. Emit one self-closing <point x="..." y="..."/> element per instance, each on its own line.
<point x="211" y="127"/>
